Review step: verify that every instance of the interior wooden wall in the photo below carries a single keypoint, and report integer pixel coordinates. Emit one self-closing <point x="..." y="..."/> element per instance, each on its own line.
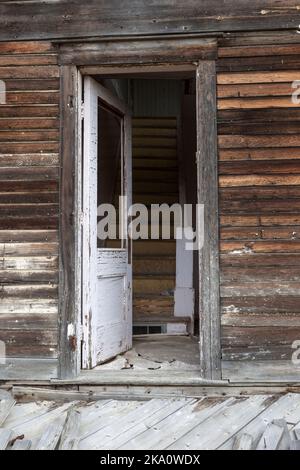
<point x="259" y="167"/>
<point x="29" y="174"/>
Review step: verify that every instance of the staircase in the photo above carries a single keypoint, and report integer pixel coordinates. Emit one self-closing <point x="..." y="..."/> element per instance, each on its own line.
<point x="155" y="181"/>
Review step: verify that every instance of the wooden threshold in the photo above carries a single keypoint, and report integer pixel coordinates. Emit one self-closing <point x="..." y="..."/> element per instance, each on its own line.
<point x="241" y="374"/>
<point x="139" y="378"/>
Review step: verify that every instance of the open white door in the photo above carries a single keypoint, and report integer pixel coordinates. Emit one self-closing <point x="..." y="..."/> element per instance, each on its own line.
<point x="106" y="264"/>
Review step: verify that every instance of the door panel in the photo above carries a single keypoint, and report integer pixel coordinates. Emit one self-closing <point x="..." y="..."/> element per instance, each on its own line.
<point x="107" y="278"/>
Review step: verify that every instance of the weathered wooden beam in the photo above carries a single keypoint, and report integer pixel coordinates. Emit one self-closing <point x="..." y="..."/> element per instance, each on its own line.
<point x="207" y="161"/>
<point x="94" y="18"/>
<point x="68" y="341"/>
<point x="138" y="51"/>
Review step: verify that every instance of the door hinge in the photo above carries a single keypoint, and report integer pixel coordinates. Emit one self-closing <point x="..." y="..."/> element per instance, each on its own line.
<point x="73" y="342"/>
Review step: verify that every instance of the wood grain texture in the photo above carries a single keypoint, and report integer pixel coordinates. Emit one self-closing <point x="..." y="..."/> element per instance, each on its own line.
<point x="29" y="175"/>
<point x="110" y="18"/>
<point x="68" y="354"/>
<point x="209" y="314"/>
<point x="259" y="146"/>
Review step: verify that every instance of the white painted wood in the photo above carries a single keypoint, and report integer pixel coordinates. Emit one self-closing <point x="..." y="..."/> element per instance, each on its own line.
<point x="286" y="407"/>
<point x="176" y="328"/>
<point x="89" y="208"/>
<point x="184" y="291"/>
<point x="111" y="263"/>
<point x="275" y="437"/>
<point x="228" y="421"/>
<point x="107" y="274"/>
<point x="6" y="404"/>
<point x="243" y="442"/>
<point x="5" y="437"/>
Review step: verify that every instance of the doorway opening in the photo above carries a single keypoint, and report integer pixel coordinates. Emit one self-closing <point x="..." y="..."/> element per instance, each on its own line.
<point x="140" y="138"/>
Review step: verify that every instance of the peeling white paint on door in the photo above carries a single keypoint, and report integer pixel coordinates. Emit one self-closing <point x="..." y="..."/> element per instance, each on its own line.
<point x="107" y="274"/>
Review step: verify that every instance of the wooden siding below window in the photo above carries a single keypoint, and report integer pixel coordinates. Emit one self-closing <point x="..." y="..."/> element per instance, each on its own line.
<point x="29" y="174"/>
<point x="259" y="186"/>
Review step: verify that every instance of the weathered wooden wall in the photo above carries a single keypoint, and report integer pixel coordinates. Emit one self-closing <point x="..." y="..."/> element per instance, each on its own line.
<point x="29" y="173"/>
<point x="60" y="19"/>
<point x="259" y="167"/>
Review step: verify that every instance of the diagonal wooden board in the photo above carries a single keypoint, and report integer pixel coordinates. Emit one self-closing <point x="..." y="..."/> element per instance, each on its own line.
<point x="228" y="421"/>
<point x="275" y="437"/>
<point x="167" y="431"/>
<point x="286" y="407"/>
<point x="98" y="418"/>
<point x="172" y="407"/>
<point x="121" y="428"/>
<point x="6" y="404"/>
<point x="70" y="434"/>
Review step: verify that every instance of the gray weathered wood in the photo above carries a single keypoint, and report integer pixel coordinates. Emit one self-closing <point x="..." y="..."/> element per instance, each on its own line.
<point x="227" y="422"/>
<point x="295" y="445"/>
<point x="207" y="161"/>
<point x="65" y="19"/>
<point x="275" y="437"/>
<point x="51" y="435"/>
<point x="70" y="434"/>
<point x="6" y="404"/>
<point x="5" y="437"/>
<point x="243" y="442"/>
<point x="23" y="444"/>
<point x="274" y="371"/>
<point x="68" y="341"/>
<point x="286" y="407"/>
<point x="27" y="369"/>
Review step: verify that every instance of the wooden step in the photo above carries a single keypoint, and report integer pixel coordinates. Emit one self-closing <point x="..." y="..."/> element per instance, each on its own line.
<point x="157" y="174"/>
<point x="156" y="153"/>
<point x="154" y="265"/>
<point x="155" y="306"/>
<point x="148" y="199"/>
<point x="150" y="162"/>
<point x="153" y="284"/>
<point x="154" y="122"/>
<point x="161" y="142"/>
<point x="154" y="247"/>
<point x="153" y="186"/>
<point x="154" y="132"/>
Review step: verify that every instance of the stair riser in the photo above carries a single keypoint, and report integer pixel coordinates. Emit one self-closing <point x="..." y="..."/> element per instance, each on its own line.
<point x="156" y="266"/>
<point x="152" y="286"/>
<point x="151" y="247"/>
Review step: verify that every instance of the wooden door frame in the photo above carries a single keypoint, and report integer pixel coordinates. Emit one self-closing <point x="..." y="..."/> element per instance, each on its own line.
<point x="167" y="56"/>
